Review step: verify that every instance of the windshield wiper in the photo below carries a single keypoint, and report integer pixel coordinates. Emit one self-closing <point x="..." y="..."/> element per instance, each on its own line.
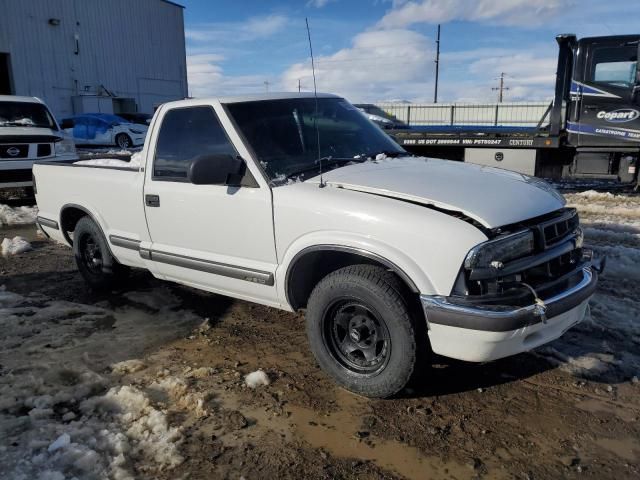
<point x="326" y="161"/>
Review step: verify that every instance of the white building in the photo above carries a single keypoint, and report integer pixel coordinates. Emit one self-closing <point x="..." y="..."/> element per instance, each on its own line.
<point x="108" y="56"/>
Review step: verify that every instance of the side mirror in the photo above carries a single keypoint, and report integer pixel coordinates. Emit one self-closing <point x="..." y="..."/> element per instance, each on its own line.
<point x="214" y="169"/>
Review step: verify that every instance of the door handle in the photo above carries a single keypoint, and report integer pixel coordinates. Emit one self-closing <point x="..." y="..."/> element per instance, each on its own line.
<point x="591" y="107"/>
<point x="152" y="200"/>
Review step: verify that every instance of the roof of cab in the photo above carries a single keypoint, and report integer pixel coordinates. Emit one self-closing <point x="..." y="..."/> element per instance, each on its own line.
<point x="257" y="97"/>
<point x="17" y="98"/>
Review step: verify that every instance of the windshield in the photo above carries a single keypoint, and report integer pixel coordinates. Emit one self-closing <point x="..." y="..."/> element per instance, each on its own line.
<point x="25" y="114"/>
<point x="283" y="135"/>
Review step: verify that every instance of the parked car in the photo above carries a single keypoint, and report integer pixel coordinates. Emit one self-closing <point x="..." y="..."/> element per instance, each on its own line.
<point x="104" y="129"/>
<point x="302" y="203"/>
<point x="29" y="132"/>
<point x="136" y="117"/>
<point x="380" y="117"/>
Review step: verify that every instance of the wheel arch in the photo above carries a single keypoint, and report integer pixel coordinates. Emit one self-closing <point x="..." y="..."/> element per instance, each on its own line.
<point x="70" y="215"/>
<point x="321" y="260"/>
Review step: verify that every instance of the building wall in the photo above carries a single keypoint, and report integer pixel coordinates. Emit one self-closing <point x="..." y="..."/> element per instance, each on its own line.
<point x="132" y="48"/>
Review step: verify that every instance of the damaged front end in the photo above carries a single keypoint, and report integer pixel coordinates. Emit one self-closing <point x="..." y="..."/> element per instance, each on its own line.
<point x="523" y="275"/>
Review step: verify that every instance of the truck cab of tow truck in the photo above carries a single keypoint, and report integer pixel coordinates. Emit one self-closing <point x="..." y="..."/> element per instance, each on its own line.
<point x="603" y="108"/>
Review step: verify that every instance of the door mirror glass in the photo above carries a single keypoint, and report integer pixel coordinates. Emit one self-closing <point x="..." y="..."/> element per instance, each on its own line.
<point x="215" y="169"/>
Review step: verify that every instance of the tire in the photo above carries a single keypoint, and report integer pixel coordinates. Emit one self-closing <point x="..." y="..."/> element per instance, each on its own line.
<point x="94" y="260"/>
<point x="365" y="304"/>
<point x="123" y="141"/>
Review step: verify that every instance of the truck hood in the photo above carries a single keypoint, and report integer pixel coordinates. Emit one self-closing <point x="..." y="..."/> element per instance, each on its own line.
<point x="491" y="196"/>
<point x="28" y="135"/>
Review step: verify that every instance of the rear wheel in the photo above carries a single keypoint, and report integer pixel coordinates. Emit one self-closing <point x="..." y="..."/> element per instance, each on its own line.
<point x="361" y="332"/>
<point x="123" y="140"/>
<point x="93" y="258"/>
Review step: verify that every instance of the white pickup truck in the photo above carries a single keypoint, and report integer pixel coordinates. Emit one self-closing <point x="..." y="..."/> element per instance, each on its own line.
<point x="302" y="203"/>
<point x="28" y="132"/>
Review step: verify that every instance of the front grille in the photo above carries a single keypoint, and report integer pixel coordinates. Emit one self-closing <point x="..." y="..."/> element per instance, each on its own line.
<point x="551" y="231"/>
<point x="14" y="151"/>
<point x="44" y="149"/>
<point x="555" y="229"/>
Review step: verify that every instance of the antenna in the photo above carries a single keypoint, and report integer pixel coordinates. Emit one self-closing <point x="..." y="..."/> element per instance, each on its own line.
<point x="315" y="95"/>
<point x="435" y="93"/>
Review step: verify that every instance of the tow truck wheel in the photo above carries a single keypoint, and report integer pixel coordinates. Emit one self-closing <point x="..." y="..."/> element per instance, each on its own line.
<point x="93" y="258"/>
<point x="123" y="140"/>
<point x="361" y="332"/>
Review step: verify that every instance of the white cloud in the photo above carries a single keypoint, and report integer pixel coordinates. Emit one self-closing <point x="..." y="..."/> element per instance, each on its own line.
<point x="253" y="28"/>
<point x="207" y="78"/>
<point x="379" y="64"/>
<point x="318" y="3"/>
<point x="507" y="12"/>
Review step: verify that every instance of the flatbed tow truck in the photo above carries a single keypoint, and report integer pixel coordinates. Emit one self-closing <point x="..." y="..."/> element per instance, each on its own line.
<point x="591" y="129"/>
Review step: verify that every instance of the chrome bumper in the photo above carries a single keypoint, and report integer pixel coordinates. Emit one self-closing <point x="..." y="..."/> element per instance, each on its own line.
<point x="499" y="318"/>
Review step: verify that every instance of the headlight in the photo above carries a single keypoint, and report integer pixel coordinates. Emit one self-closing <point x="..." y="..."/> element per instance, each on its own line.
<point x="137" y="132"/>
<point x="494" y="253"/>
<point x="65" y="147"/>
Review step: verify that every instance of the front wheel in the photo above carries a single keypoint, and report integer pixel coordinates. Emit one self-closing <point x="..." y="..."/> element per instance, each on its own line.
<point x="361" y="332"/>
<point x="123" y="141"/>
<point x="93" y="258"/>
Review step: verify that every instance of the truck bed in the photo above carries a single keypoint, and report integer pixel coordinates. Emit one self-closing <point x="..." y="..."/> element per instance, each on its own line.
<point x="111" y="194"/>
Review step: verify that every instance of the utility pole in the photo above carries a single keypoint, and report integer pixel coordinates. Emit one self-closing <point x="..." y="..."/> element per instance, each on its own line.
<point x="266" y="85"/>
<point x="501" y="88"/>
<point x="299" y="87"/>
<point x="435" y="93"/>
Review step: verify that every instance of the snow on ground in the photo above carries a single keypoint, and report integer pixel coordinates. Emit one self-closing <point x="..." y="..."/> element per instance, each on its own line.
<point x="256" y="379"/>
<point x="17" y="215"/>
<point x="14" y="246"/>
<point x="606" y="345"/>
<point x="62" y="413"/>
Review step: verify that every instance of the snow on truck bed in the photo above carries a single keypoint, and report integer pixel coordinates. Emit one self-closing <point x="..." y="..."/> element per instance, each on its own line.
<point x="133" y="164"/>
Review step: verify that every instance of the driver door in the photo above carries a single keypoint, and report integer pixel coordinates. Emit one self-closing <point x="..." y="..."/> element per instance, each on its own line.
<point x="607" y="114"/>
<point x="216" y="237"/>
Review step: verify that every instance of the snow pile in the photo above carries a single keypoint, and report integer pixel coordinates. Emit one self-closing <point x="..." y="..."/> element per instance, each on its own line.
<point x="128" y="366"/>
<point x="17" y="215"/>
<point x="256" y="379"/>
<point x="14" y="246"/>
<point x="60" y="416"/>
<point x="176" y="392"/>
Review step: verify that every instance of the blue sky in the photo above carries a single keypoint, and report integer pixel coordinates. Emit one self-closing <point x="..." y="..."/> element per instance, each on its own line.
<point x="376" y="50"/>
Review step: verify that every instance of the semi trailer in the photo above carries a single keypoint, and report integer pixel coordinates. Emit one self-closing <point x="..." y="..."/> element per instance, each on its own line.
<point x="590" y="130"/>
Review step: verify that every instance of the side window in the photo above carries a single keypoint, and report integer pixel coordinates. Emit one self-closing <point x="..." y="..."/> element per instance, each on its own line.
<point x="614" y="66"/>
<point x="185" y="134"/>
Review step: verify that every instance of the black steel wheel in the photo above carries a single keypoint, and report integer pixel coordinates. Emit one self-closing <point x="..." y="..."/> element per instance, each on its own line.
<point x="94" y="260"/>
<point x="356" y="336"/>
<point x="361" y="331"/>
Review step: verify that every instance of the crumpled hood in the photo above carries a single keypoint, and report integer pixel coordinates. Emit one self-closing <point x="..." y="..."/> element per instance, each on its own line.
<point x="492" y="196"/>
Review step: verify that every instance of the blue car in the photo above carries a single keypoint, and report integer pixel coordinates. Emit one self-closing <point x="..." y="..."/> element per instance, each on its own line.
<point x="104" y="129"/>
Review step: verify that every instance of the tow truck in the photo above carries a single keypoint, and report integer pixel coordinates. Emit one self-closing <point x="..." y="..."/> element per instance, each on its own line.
<point x="591" y="129"/>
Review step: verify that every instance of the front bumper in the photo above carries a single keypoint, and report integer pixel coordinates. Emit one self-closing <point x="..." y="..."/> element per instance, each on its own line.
<point x="483" y="333"/>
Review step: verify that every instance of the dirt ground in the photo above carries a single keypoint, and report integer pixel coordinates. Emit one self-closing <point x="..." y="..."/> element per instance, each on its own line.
<point x="148" y="382"/>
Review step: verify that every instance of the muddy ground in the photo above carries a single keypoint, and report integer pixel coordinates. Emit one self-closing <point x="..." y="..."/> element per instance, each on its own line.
<point x="569" y="410"/>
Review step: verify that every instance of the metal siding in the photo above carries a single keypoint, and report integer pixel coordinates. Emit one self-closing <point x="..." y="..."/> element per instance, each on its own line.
<point x="134" y="48"/>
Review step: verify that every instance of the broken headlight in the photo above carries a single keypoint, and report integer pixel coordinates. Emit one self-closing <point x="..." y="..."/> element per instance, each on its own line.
<point x="495" y="253"/>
